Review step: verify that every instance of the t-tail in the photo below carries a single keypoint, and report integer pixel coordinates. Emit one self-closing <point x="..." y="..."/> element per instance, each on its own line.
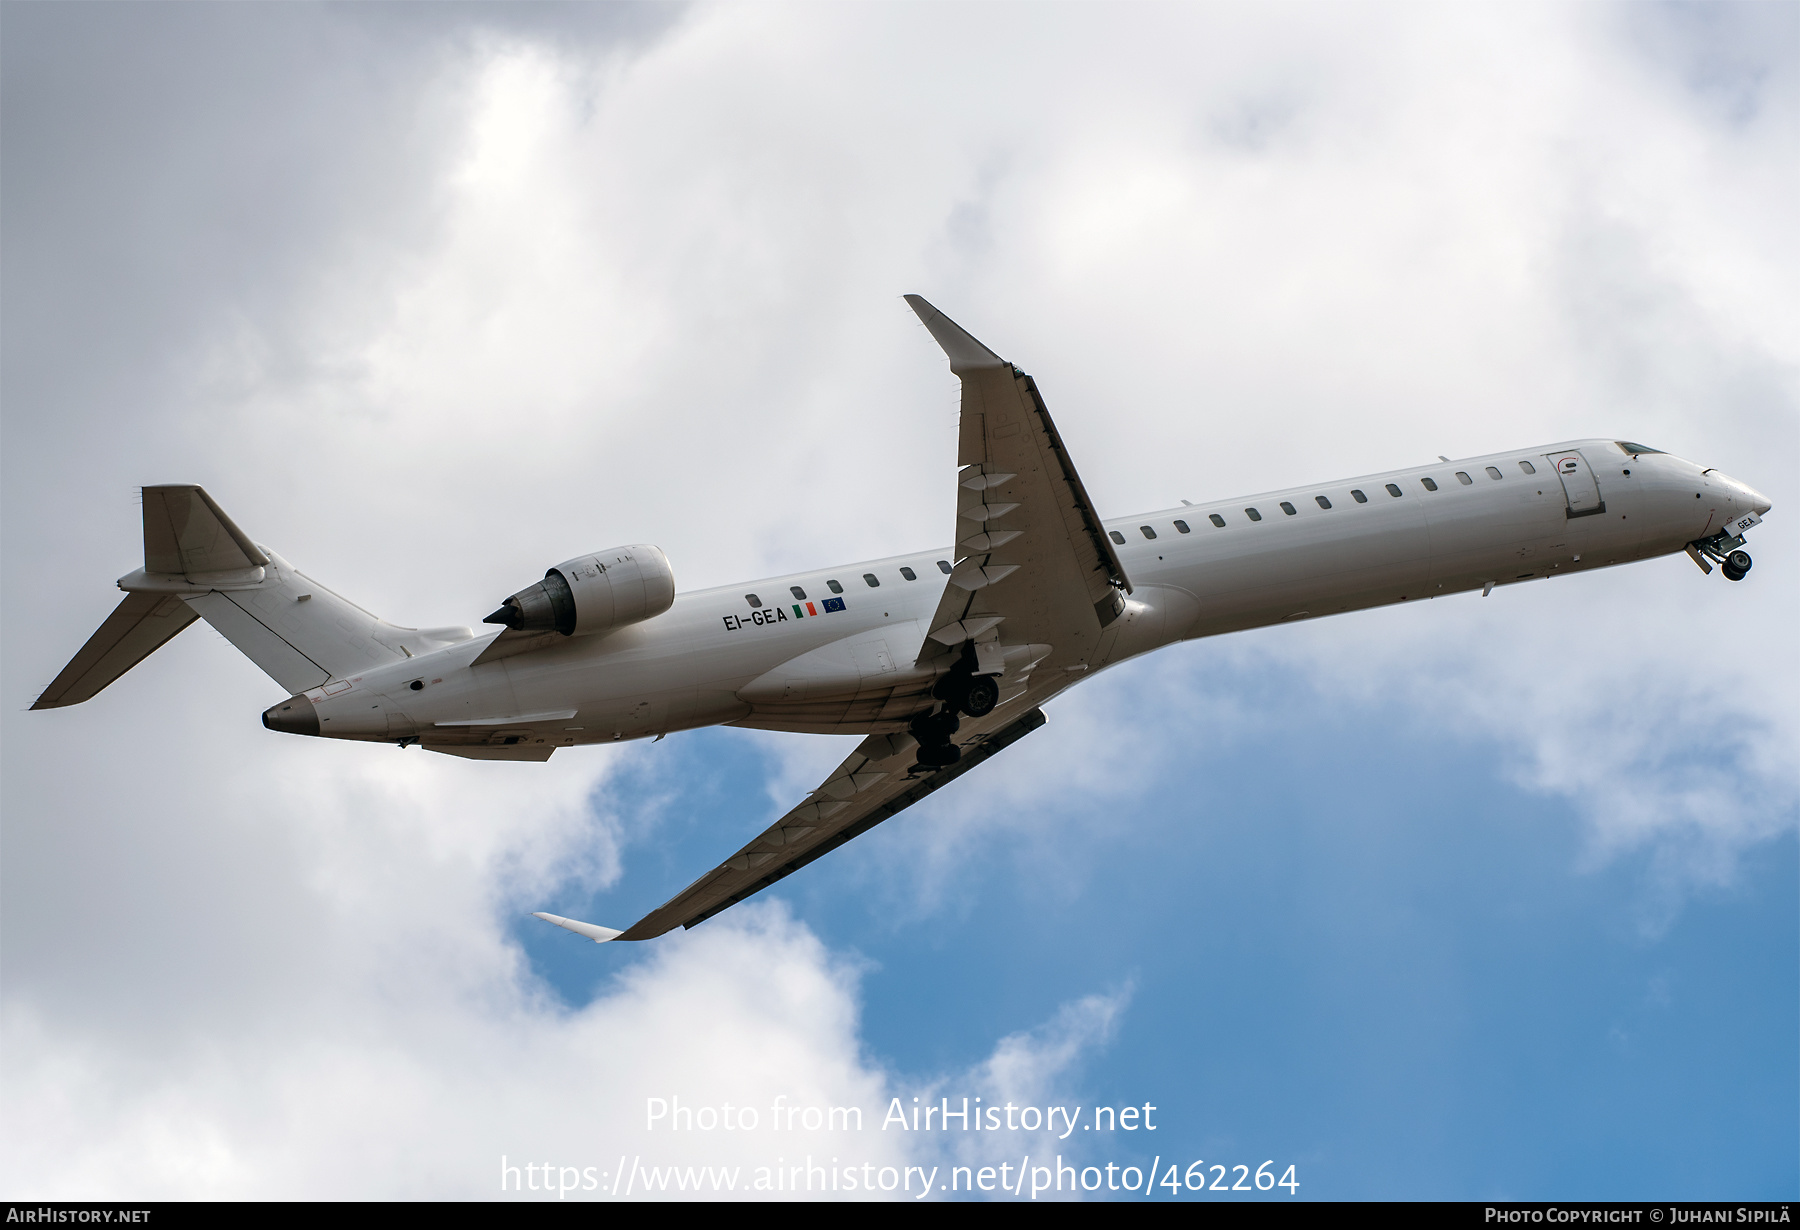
<point x="199" y="565"/>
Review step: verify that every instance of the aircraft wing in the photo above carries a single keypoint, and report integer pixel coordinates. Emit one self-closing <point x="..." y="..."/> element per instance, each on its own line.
<point x="870" y="786"/>
<point x="1033" y="563"/>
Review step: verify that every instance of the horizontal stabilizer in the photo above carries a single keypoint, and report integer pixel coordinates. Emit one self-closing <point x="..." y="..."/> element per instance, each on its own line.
<point x="137" y="628"/>
<point x="185" y="532"/>
<point x="598" y="934"/>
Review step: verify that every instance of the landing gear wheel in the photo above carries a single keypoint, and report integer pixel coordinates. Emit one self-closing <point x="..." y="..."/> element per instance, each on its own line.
<point x="982" y="696"/>
<point x="933" y="731"/>
<point x="939" y="757"/>
<point x="1736" y="565"/>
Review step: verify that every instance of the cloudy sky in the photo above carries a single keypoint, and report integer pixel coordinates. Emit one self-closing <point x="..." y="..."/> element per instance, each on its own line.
<point x="1473" y="899"/>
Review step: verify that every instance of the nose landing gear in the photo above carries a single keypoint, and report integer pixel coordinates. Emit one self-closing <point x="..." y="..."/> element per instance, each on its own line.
<point x="1725" y="549"/>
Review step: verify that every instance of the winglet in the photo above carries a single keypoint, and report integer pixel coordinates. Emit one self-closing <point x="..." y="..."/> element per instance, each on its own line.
<point x="598" y="934"/>
<point x="966" y="354"/>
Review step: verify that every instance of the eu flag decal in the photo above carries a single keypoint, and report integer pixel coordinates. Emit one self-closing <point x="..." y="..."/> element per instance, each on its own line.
<point x="834" y="604"/>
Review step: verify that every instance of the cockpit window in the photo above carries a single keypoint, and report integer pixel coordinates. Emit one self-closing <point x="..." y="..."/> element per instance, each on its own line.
<point x="1635" y="449"/>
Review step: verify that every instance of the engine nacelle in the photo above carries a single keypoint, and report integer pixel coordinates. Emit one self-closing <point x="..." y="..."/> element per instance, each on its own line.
<point x="593" y="593"/>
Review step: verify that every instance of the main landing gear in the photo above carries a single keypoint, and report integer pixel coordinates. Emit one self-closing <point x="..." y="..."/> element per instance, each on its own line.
<point x="963" y="692"/>
<point x="933" y="731"/>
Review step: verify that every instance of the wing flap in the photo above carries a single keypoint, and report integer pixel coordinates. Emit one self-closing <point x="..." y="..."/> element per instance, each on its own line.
<point x="137" y="628"/>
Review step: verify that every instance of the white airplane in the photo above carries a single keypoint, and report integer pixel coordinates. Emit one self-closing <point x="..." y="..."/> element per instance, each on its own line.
<point x="939" y="659"/>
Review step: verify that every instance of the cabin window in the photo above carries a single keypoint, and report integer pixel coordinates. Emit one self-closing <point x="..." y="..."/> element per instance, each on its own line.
<point x="1393" y="491"/>
<point x="1493" y="472"/>
<point x="872" y="579"/>
<point x="1253" y="514"/>
<point x="797" y="592"/>
<point x="1116" y="537"/>
<point x="909" y="574"/>
<point x="1430" y="483"/>
<point x="834" y="587"/>
<point x="1358" y="496"/>
<point x="1528" y="467"/>
<point x="753" y="600"/>
<point x="944" y="566"/>
<point x="1322" y="501"/>
<point x="1287" y="508"/>
<point x="1216" y="519"/>
<point x="1183" y="527"/>
<point x="1464" y="479"/>
<point x="1147" y="531"/>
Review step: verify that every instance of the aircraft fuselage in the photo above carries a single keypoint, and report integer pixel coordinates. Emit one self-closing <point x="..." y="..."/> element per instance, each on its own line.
<point x="840" y="658"/>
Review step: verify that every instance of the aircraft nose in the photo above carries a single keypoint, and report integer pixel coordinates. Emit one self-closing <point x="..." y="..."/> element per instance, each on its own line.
<point x="293" y="716"/>
<point x="1750" y="498"/>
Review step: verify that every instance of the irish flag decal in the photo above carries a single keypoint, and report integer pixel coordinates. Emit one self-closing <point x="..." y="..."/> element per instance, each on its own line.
<point x="803" y="609"/>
